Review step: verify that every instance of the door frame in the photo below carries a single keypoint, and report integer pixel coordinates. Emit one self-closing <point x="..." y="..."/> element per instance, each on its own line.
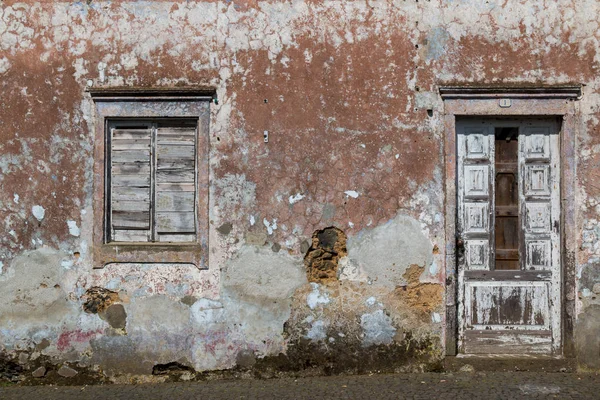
<point x="557" y="101"/>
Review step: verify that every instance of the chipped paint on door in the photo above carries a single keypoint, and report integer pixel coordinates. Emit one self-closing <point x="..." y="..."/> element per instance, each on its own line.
<point x="508" y="224"/>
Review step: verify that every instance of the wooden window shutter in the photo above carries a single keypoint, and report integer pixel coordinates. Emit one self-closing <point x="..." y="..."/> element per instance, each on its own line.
<point x="175" y="190"/>
<point x="130" y="184"/>
<point x="152" y="183"/>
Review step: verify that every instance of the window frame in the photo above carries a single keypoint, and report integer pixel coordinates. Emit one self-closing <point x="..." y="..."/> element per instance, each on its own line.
<point x="164" y="104"/>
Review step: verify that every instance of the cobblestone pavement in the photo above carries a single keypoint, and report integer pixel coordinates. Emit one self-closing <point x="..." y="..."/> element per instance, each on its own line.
<point x="490" y="385"/>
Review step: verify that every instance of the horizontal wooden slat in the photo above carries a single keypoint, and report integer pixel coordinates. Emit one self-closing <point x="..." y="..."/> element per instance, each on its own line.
<point x="176" y="140"/>
<point x="175" y="176"/>
<point x="120" y="205"/>
<point x="170" y="131"/>
<point x="140" y="133"/>
<point x="127" y="193"/>
<point x="176" y="238"/>
<point x="505" y="275"/>
<point x="183" y="137"/>
<point x="174" y="164"/>
<point x="506" y="167"/>
<point x="130" y="156"/>
<point x="120" y="235"/>
<point x="175" y="152"/>
<point x="130" y="168"/>
<point x="175" y="201"/>
<point x="507" y="254"/>
<point x="175" y="187"/>
<point x="175" y="222"/>
<point x="137" y="180"/>
<point x="130" y="220"/>
<point x="130" y="144"/>
<point x="507" y="211"/>
<point x="507" y="342"/>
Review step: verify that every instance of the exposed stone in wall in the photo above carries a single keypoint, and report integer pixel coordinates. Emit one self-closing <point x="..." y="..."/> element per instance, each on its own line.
<point x="423" y="298"/>
<point x="97" y="300"/>
<point x="322" y="258"/>
<point x="102" y="301"/>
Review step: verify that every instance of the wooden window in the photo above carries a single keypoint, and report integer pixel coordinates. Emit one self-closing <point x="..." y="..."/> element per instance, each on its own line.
<point x="151" y="183"/>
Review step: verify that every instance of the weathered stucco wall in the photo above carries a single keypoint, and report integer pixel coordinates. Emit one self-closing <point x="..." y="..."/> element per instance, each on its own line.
<point x="348" y="93"/>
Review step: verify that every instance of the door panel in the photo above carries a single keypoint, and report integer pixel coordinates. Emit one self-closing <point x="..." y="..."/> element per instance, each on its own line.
<point x="508" y="231"/>
<point x="511" y="342"/>
<point x="508" y="305"/>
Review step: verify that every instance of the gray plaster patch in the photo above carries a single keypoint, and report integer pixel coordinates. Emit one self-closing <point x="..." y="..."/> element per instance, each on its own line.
<point x="33" y="290"/>
<point x="262" y="273"/>
<point x="205" y="313"/>
<point x="377" y="328"/>
<point x="257" y="287"/>
<point x="385" y="252"/>
<point x="157" y="313"/>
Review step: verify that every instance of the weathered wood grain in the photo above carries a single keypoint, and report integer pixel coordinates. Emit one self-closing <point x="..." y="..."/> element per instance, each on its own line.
<point x="175" y="201"/>
<point x="175" y="175"/>
<point x="175" y="152"/>
<point x="175" y="222"/>
<point x="131" y="220"/>
<point x="127" y="193"/>
<point x="508" y="342"/>
<point x="130" y="156"/>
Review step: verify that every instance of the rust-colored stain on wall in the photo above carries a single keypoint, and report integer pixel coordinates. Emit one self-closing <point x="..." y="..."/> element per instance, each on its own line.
<point x="348" y="95"/>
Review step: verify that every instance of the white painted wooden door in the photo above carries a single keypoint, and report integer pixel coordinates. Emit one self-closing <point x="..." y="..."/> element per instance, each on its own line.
<point x="508" y="236"/>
